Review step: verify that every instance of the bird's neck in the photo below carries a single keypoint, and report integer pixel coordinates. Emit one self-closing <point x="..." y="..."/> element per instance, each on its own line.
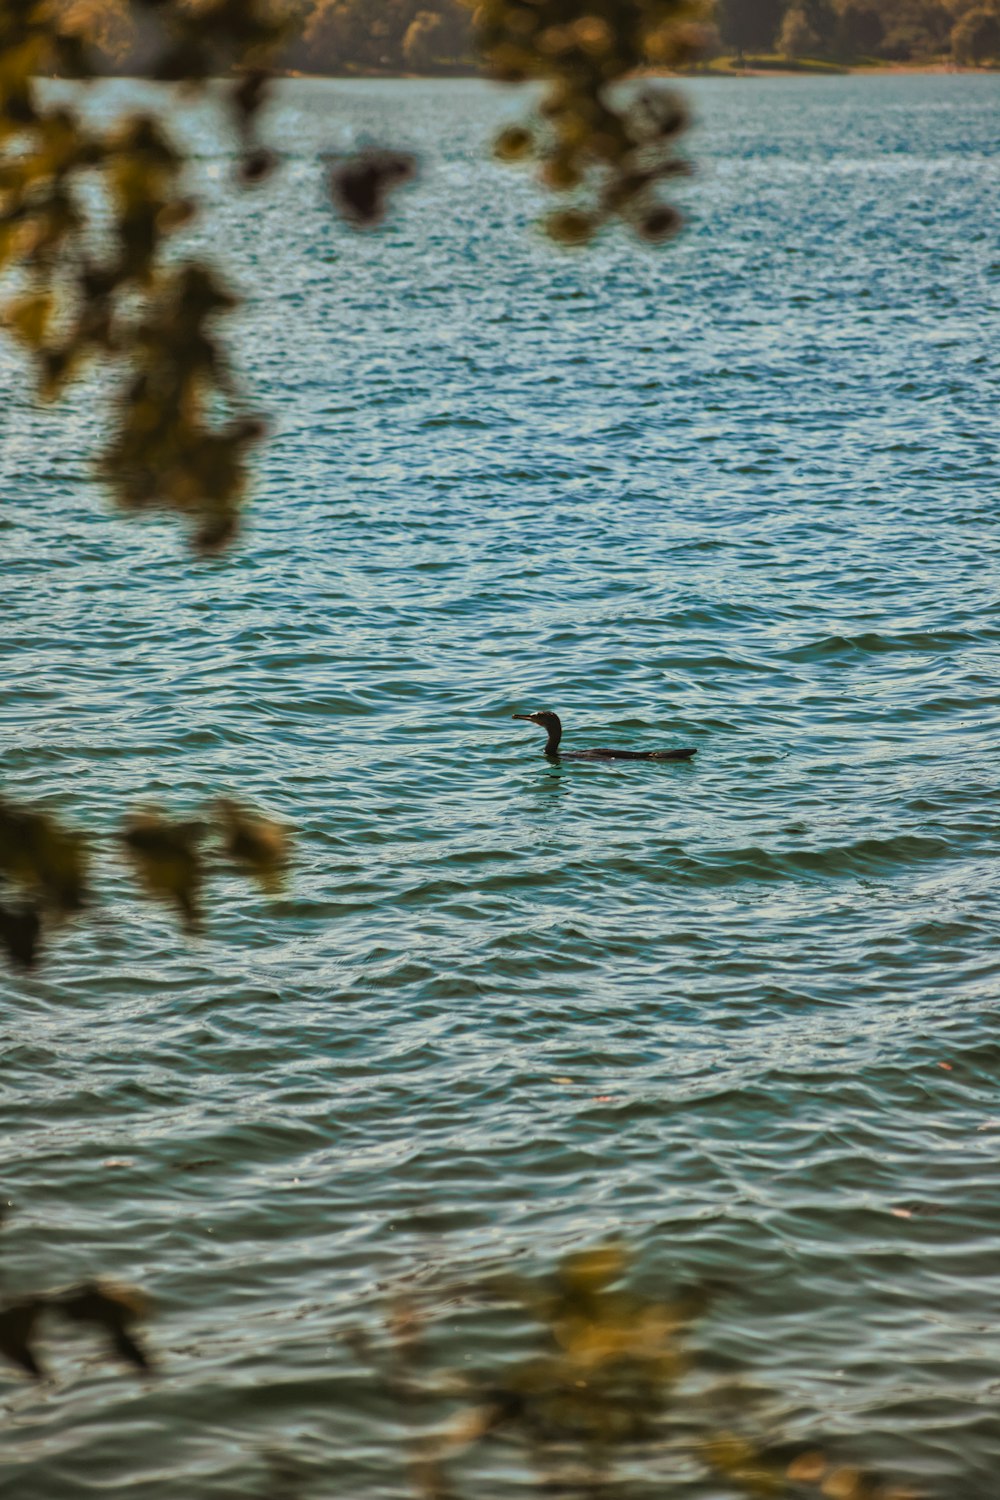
<point x="552" y="743"/>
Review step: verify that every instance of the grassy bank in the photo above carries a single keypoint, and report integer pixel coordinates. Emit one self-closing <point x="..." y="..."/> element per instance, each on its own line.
<point x="762" y="65"/>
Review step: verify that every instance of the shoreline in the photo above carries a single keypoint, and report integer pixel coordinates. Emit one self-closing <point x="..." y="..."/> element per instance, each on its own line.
<point x="725" y="69"/>
<point x="816" y="68"/>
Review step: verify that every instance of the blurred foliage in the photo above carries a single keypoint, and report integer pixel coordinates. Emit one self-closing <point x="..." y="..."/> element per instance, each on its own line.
<point x="612" y="147"/>
<point x="89" y="216"/>
<point x="616" y="1386"/>
<point x="111" y="1308"/>
<point x="360" y="186"/>
<point x="603" y="1396"/>
<point x="93" y="285"/>
<point x="45" y="867"/>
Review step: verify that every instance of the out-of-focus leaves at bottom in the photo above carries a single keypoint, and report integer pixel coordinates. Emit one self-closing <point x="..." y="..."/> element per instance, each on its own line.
<point x="615" y="1386"/>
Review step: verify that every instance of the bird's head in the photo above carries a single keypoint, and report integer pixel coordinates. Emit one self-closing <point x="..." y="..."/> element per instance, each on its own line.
<point x="543" y="719"/>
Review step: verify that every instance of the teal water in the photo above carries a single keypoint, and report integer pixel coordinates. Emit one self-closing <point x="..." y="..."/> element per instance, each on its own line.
<point x="738" y="493"/>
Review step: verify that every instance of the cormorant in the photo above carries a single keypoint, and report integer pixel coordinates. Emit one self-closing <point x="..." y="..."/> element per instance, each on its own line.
<point x="552" y="724"/>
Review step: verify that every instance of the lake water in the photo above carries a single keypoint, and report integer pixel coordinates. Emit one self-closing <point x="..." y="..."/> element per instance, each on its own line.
<point x="737" y="493"/>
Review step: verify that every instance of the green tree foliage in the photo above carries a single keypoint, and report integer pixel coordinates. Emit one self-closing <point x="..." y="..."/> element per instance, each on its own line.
<point x="821" y="18"/>
<point x="914" y="30"/>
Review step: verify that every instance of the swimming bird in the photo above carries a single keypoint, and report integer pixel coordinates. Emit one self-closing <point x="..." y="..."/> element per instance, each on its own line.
<point x="552" y="724"/>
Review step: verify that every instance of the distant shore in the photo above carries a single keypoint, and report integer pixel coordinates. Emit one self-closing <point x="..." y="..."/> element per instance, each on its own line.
<point x="766" y="67"/>
<point x="723" y="67"/>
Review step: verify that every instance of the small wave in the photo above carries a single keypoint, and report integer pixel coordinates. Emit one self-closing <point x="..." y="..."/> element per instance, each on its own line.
<point x="449" y="421"/>
<point x="872" y="642"/>
<point x="865" y="857"/>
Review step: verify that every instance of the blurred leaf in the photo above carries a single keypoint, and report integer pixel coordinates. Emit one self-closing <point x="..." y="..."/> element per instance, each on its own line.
<point x="514" y="143"/>
<point x="362" y="184"/>
<point x="18" y="1323"/>
<point x="28" y="317"/>
<point x="20" y="933"/>
<point x="571" y="226"/>
<point x="46" y="859"/>
<point x="741" y="1461"/>
<point x="808" y="1468"/>
<point x="588" y="1272"/>
<point x="168" y="860"/>
<point x="254" y="843"/>
<point x="615" y="145"/>
<point x="111" y="1307"/>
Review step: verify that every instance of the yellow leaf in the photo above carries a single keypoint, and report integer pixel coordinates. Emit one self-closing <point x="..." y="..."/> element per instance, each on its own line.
<point x="28" y="317"/>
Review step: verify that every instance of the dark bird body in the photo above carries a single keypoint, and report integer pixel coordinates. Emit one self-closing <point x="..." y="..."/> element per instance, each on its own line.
<point x="552" y="725"/>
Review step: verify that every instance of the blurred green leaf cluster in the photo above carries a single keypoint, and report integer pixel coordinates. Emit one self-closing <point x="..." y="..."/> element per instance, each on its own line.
<point x="45" y="867"/>
<point x="93" y="285"/>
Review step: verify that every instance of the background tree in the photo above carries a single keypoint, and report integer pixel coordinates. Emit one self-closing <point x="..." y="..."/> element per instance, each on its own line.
<point x="821" y="19"/>
<point x="426" y="41"/>
<point x="859" y="30"/>
<point x="796" y="37"/>
<point x="915" y="30"/>
<point x="397" y="35"/>
<point x="748" y="25"/>
<point x="975" y="37"/>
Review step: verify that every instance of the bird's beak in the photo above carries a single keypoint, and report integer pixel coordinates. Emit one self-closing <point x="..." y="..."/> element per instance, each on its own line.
<point x="522" y="716"/>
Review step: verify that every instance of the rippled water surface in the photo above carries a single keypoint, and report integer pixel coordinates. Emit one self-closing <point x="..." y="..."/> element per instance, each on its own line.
<point x="737" y="493"/>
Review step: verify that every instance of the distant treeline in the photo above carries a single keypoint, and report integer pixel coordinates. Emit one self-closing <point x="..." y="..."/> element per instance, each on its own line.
<point x="436" y="36"/>
<point x="848" y="31"/>
<point x="325" y="36"/>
